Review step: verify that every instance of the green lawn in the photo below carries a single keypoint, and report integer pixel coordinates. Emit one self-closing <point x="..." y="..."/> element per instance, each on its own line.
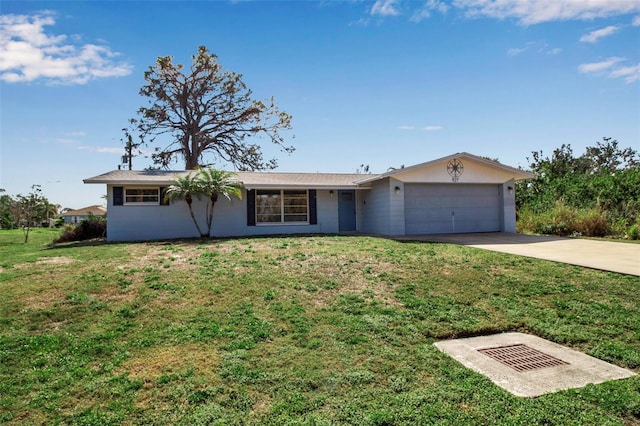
<point x="305" y="330"/>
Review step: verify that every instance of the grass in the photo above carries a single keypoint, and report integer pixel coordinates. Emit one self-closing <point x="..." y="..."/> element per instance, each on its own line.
<point x="308" y="330"/>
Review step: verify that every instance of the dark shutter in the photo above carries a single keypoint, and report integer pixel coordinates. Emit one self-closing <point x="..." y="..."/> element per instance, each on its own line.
<point x="163" y="194"/>
<point x="251" y="207"/>
<point x="118" y="195"/>
<point x="313" y="207"/>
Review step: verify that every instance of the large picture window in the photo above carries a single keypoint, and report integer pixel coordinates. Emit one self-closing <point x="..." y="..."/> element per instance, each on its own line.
<point x="142" y="196"/>
<point x="282" y="206"/>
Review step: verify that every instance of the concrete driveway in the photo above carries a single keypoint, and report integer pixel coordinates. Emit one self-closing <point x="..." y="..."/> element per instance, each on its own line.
<point x="604" y="255"/>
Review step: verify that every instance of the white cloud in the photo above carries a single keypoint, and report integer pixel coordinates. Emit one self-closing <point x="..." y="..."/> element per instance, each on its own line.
<point x="636" y="21"/>
<point x="530" y="12"/>
<point x="384" y="8"/>
<point x="29" y="53"/>
<point x="630" y="74"/>
<point x="527" y="12"/>
<point x="596" y="67"/>
<point x="432" y="128"/>
<point x="515" y="51"/>
<point x="537" y="46"/>
<point x="610" y="67"/>
<point x="425" y="12"/>
<point x="595" y="35"/>
<point x="103" y="149"/>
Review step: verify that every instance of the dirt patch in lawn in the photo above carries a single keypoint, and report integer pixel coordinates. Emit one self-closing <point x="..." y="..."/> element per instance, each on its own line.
<point x="55" y="260"/>
<point x="150" y="364"/>
<point x="44" y="299"/>
<point x="180" y="257"/>
<point x="157" y="366"/>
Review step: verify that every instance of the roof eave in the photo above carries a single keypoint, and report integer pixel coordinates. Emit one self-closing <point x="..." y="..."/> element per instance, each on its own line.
<point x="129" y="182"/>
<point x="302" y="186"/>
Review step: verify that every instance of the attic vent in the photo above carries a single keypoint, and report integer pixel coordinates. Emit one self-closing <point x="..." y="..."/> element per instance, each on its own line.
<point x="521" y="357"/>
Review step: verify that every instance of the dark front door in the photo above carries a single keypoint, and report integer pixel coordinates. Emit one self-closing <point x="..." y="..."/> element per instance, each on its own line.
<point x="346" y="210"/>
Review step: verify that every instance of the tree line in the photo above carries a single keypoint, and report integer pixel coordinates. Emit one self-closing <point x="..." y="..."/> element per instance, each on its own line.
<point x="596" y="193"/>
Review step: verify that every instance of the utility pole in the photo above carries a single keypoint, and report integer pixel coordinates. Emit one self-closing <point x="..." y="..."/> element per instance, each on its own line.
<point x="129" y="146"/>
<point x="128" y="157"/>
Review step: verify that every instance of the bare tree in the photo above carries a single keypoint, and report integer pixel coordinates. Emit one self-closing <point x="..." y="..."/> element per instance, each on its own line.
<point x="207" y="111"/>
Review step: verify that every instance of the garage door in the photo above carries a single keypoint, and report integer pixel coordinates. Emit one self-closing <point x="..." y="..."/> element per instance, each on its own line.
<point x="451" y="208"/>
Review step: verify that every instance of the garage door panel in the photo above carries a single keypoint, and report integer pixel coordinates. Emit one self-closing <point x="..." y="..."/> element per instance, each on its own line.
<point x="429" y="208"/>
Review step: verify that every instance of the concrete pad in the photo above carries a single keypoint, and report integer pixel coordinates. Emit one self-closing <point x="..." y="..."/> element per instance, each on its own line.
<point x="580" y="370"/>
<point x="603" y="255"/>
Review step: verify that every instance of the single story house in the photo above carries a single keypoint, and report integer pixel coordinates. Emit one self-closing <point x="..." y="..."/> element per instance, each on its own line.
<point x="76" y="216"/>
<point x="454" y="194"/>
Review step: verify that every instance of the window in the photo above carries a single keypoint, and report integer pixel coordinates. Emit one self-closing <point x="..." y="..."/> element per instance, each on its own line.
<point x="142" y="196"/>
<point x="282" y="206"/>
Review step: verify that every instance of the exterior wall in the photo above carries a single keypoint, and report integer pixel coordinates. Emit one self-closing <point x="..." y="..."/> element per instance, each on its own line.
<point x="140" y="223"/>
<point x="230" y="218"/>
<point x="508" y="211"/>
<point x="396" y="207"/>
<point x="375" y="208"/>
<point x="474" y="172"/>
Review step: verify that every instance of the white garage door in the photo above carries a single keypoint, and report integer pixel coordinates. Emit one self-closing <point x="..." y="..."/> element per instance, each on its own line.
<point x="451" y="208"/>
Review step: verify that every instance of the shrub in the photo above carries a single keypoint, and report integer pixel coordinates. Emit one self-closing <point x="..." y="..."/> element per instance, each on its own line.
<point x="564" y="220"/>
<point x="634" y="232"/>
<point x="94" y="227"/>
<point x="592" y="223"/>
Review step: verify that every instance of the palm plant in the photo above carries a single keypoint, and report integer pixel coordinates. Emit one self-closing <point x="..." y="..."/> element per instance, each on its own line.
<point x="214" y="183"/>
<point x="185" y="188"/>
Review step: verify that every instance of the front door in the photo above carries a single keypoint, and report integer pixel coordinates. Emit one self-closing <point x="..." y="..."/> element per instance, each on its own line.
<point x="346" y="210"/>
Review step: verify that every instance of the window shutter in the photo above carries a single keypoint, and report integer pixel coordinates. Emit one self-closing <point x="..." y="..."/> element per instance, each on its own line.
<point x="313" y="210"/>
<point x="163" y="193"/>
<point x="118" y="195"/>
<point x="251" y="207"/>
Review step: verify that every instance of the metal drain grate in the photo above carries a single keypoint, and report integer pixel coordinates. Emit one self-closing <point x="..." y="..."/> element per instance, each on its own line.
<point x="521" y="357"/>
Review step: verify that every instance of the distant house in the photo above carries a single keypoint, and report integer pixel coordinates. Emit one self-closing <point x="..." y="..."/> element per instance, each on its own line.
<point x="458" y="193"/>
<point x="76" y="216"/>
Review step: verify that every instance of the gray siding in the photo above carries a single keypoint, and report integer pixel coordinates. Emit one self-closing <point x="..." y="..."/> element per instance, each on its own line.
<point x="137" y="223"/>
<point x="375" y="209"/>
<point x="396" y="207"/>
<point x="508" y="211"/>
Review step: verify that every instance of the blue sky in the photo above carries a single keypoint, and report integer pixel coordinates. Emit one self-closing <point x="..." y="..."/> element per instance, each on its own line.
<point x="384" y="83"/>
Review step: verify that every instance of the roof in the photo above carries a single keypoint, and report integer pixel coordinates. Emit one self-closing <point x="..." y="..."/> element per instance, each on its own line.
<point x="257" y="180"/>
<point x="250" y="180"/>
<point x="96" y="210"/>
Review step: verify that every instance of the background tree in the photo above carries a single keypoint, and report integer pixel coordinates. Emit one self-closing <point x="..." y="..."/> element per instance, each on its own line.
<point x="215" y="183"/>
<point x="8" y="211"/>
<point x="207" y="111"/>
<point x="32" y="208"/>
<point x="50" y="211"/>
